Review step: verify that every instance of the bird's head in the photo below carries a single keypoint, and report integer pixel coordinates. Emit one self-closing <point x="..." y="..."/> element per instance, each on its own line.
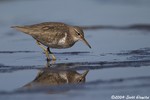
<point x="75" y="77"/>
<point x="82" y="77"/>
<point x="78" y="34"/>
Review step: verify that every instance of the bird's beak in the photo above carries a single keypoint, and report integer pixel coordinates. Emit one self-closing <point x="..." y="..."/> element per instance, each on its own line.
<point x="85" y="73"/>
<point x="83" y="39"/>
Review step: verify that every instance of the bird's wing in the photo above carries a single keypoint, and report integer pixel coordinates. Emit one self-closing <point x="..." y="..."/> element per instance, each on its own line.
<point x="49" y="32"/>
<point x="45" y="27"/>
<point x="46" y="32"/>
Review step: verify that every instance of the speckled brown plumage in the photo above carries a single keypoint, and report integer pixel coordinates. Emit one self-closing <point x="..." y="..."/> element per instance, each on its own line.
<point x="53" y="35"/>
<point x="50" y="78"/>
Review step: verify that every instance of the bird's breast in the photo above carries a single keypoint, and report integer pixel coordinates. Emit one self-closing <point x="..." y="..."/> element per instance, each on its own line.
<point x="63" y="40"/>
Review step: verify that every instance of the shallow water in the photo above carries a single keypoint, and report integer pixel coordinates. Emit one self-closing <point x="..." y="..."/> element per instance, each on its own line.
<point x="118" y="62"/>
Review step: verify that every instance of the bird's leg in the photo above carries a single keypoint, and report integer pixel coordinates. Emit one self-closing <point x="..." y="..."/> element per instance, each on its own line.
<point x="50" y="63"/>
<point x="45" y="50"/>
<point x="53" y="56"/>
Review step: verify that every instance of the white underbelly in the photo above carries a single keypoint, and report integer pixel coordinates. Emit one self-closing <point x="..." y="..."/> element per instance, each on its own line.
<point x="60" y="44"/>
<point x="62" y="41"/>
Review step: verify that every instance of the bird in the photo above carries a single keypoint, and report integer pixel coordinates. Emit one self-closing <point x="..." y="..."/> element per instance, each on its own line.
<point x="50" y="80"/>
<point x="58" y="77"/>
<point x="56" y="35"/>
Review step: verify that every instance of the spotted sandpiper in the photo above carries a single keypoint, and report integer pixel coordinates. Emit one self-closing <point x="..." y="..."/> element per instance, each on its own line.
<point x="53" y="79"/>
<point x="59" y="77"/>
<point x="53" y="35"/>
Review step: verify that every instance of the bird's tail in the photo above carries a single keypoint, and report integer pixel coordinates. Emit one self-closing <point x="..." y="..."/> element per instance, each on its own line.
<point x="22" y="29"/>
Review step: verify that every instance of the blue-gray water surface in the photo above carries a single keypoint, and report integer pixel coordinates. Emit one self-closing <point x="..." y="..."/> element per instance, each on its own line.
<point x="118" y="63"/>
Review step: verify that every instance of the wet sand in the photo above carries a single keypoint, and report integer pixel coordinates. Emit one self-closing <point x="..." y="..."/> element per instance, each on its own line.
<point x="118" y="63"/>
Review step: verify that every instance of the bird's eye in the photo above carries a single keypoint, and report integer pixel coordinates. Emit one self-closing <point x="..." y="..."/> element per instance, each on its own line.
<point x="78" y="33"/>
<point x="80" y="80"/>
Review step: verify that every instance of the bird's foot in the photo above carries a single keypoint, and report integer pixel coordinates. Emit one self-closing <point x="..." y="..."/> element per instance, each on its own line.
<point x="50" y="62"/>
<point x="48" y="59"/>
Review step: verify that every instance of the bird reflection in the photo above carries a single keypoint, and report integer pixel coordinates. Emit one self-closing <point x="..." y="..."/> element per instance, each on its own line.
<point x="56" y="78"/>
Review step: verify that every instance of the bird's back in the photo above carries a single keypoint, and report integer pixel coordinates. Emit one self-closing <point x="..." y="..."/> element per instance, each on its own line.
<point x="46" y="27"/>
<point x="48" y="33"/>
